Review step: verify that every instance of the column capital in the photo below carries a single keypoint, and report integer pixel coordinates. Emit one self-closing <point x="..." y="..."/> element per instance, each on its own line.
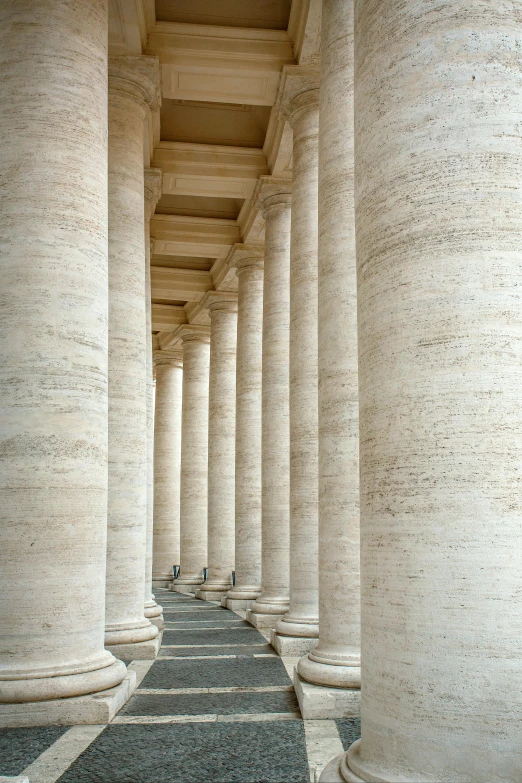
<point x="245" y="256"/>
<point x="152" y="191"/>
<point x="193" y="333"/>
<point x="298" y="90"/>
<point x="220" y="300"/>
<point x="272" y="192"/>
<point x="136" y="77"/>
<point x="172" y="358"/>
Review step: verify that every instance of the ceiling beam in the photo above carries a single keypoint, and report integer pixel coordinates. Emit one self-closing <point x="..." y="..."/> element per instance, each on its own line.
<point x="221" y="64"/>
<point x="166" y="318"/>
<point x="187" y="285"/>
<point x="177" y="235"/>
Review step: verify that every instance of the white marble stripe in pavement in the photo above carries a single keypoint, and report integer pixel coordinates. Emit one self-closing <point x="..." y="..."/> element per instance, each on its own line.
<point x="211" y="718"/>
<point x="233" y="689"/>
<point x="201" y="646"/>
<point x="54" y="761"/>
<point x="322" y="744"/>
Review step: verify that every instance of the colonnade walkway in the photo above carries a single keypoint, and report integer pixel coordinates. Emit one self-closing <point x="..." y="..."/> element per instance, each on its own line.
<point x="217" y="704"/>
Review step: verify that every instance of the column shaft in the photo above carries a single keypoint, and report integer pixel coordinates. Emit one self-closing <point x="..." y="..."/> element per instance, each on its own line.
<point x="336" y="659"/>
<point x="167" y="460"/>
<point x="194" y="459"/>
<point x="126" y="626"/>
<point x="274" y="198"/>
<point x="248" y="430"/>
<point x="438" y="107"/>
<point x="53" y="355"/>
<point x="221" y="443"/>
<point x="302" y="620"/>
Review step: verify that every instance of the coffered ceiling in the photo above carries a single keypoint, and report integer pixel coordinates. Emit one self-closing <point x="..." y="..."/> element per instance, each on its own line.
<point x="216" y="133"/>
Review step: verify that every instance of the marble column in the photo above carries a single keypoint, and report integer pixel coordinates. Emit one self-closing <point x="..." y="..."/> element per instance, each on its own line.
<point x="335" y="662"/>
<point x="133" y="88"/>
<point x="274" y="198"/>
<point x="222" y="306"/>
<point x="194" y="458"/>
<point x="53" y="365"/>
<point x="438" y="107"/>
<point x="167" y="458"/>
<point x="296" y="633"/>
<point x="248" y="261"/>
<point x="152" y="610"/>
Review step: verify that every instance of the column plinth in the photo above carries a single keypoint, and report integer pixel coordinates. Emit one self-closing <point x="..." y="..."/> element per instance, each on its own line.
<point x="335" y="662"/>
<point x="274" y="198"/>
<point x="167" y="459"/>
<point x="53" y="365"/>
<point x="300" y="104"/>
<point x="133" y="87"/>
<point x="439" y="220"/>
<point x="222" y="306"/>
<point x="194" y="458"/>
<point x="248" y="261"/>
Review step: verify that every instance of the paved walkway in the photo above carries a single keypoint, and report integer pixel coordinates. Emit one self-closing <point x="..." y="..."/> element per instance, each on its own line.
<point x="217" y="705"/>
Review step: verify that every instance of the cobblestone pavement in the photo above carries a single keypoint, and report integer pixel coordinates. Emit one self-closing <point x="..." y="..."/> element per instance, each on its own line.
<point x="217" y="705"/>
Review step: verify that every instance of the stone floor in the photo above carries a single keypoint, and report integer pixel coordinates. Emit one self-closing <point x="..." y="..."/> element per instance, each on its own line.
<point x="217" y="704"/>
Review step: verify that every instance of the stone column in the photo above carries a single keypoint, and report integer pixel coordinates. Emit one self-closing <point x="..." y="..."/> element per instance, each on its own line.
<point x="297" y="631"/>
<point x="438" y="107"/>
<point x="248" y="261"/>
<point x="222" y="306"/>
<point x="274" y="198"/>
<point x="152" y="194"/>
<point x="53" y="365"/>
<point x="167" y="457"/>
<point x="133" y="87"/>
<point x="335" y="662"/>
<point x="194" y="458"/>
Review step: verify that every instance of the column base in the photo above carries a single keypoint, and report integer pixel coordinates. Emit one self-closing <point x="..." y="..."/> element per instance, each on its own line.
<point x="259" y="620"/>
<point x="210" y="595"/>
<point x="154" y="613"/>
<point x="291" y="646"/>
<point x="136" y="651"/>
<point x="161" y="583"/>
<point x="319" y="702"/>
<point x="95" y="708"/>
<point x="332" y="772"/>
<point x="236" y="603"/>
<point x="185" y="589"/>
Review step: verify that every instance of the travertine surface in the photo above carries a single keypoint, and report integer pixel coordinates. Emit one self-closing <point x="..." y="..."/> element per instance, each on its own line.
<point x="53" y="360"/>
<point x="167" y="460"/>
<point x="248" y="425"/>
<point x="133" y="86"/>
<point x="194" y="457"/>
<point x="222" y="306"/>
<point x="275" y="198"/>
<point x="301" y="104"/>
<point x="336" y="659"/>
<point x="152" y="192"/>
<point x="438" y="107"/>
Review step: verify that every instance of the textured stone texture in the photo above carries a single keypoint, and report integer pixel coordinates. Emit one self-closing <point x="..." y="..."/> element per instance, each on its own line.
<point x="300" y="98"/>
<point x="194" y="456"/>
<point x="336" y="660"/>
<point x="221" y="442"/>
<point x="229" y="636"/>
<point x="349" y="730"/>
<point x="438" y="107"/>
<point x="224" y="649"/>
<point x="212" y="703"/>
<point x="274" y="199"/>
<point x="167" y="464"/>
<point x="133" y="82"/>
<point x="267" y="752"/>
<point x="53" y="342"/>
<point x="320" y="702"/>
<point x="152" y="192"/>
<point x="214" y="673"/>
<point x="248" y="429"/>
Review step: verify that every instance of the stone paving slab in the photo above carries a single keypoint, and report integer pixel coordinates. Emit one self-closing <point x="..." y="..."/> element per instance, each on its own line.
<point x="20" y="747"/>
<point x="228" y="636"/>
<point x="181" y="652"/>
<point x="217" y="703"/>
<point x="265" y="752"/>
<point x="200" y="614"/>
<point x="349" y="730"/>
<point x="216" y="673"/>
<point x="194" y="625"/>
